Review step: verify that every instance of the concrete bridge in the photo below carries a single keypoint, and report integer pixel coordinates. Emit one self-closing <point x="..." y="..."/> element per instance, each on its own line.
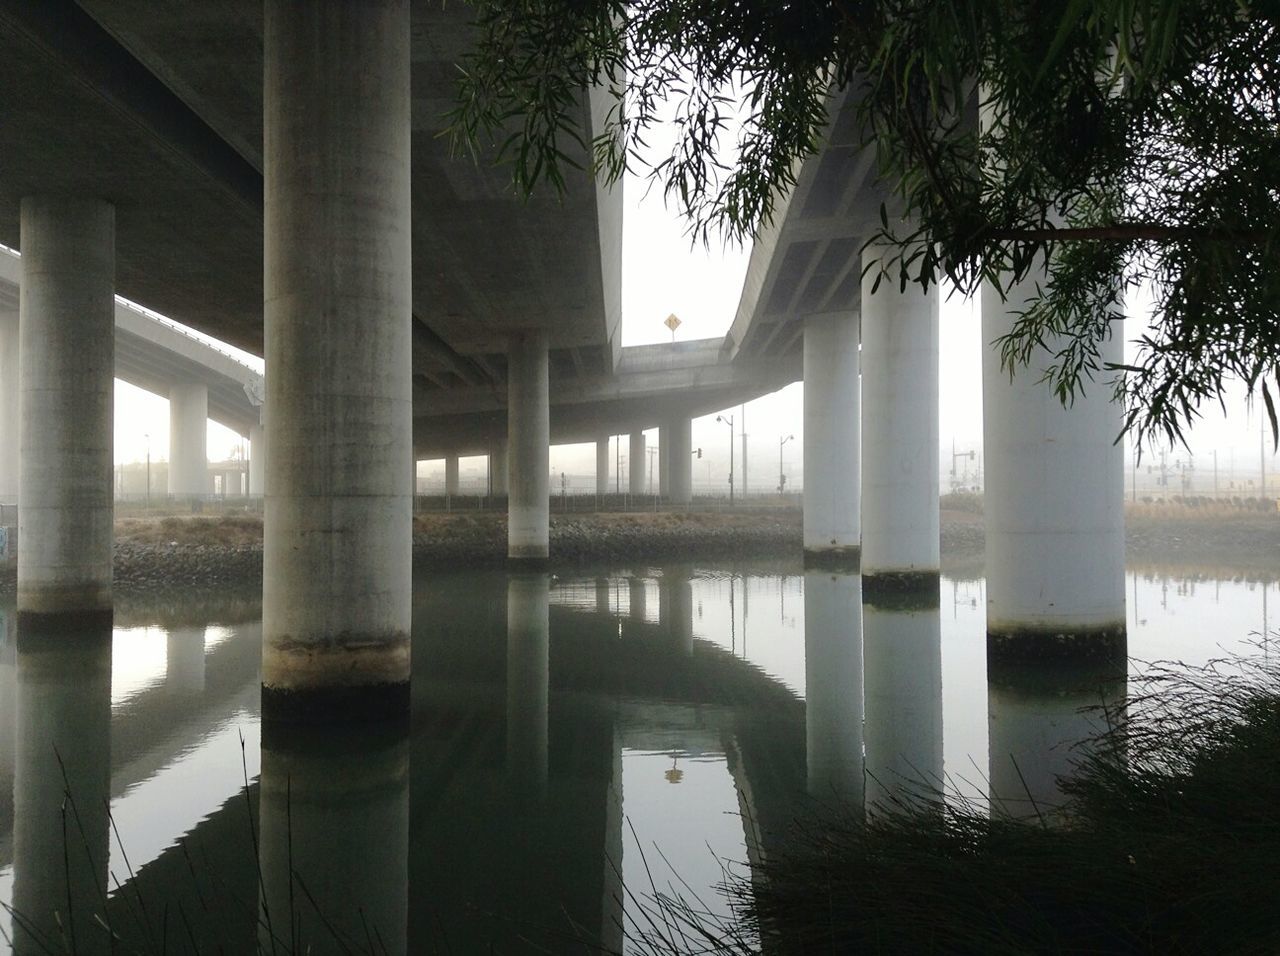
<point x="274" y="175"/>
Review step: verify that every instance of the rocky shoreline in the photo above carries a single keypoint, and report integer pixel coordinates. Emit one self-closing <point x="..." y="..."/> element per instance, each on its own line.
<point x="200" y="553"/>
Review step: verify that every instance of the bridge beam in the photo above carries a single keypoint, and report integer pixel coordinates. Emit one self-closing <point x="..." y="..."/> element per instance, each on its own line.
<point x="10" y="426"/>
<point x="338" y="291"/>
<point x="529" y="441"/>
<point x="67" y="347"/>
<point x="900" y="522"/>
<point x="832" y="479"/>
<point x="1054" y="503"/>
<point x="188" y="439"/>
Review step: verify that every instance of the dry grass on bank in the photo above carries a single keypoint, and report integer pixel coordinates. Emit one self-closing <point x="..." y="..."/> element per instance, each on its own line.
<point x="223" y="530"/>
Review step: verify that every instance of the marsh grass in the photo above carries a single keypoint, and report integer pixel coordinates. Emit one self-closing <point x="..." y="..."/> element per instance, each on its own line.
<point x="1168" y="843"/>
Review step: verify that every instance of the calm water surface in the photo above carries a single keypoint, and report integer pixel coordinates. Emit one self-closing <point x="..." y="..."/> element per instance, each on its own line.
<point x="575" y="742"/>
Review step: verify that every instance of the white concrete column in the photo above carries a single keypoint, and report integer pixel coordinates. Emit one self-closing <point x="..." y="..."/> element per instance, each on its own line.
<point x="529" y="441"/>
<point x="499" y="469"/>
<point x="337" y="549"/>
<point x="63" y="734"/>
<point x="677" y="452"/>
<point x="334" y="818"/>
<point x="902" y="664"/>
<point x="257" y="459"/>
<point x="1054" y="494"/>
<point x="602" y="465"/>
<point x="188" y="443"/>
<point x="900" y="523"/>
<point x="10" y="423"/>
<point x="528" y="680"/>
<point x="832" y="425"/>
<point x="638" y="465"/>
<point x="451" y="475"/>
<point x="665" y="438"/>
<point x="833" y="686"/>
<point x="67" y="346"/>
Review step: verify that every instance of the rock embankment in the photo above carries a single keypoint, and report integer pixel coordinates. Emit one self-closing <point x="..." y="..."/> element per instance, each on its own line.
<point x="219" y="552"/>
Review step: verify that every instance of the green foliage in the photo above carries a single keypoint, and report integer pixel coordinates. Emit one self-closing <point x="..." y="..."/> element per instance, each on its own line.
<point x="1122" y="143"/>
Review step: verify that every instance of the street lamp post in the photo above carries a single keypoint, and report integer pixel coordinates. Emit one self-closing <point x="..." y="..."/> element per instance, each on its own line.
<point x="147" y="436"/>
<point x="782" y="478"/>
<point x="728" y="420"/>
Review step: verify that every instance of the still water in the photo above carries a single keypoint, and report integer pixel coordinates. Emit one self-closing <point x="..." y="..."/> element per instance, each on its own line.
<point x="576" y="741"/>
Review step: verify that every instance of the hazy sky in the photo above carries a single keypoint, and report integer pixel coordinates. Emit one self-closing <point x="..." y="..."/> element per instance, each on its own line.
<point x="663" y="274"/>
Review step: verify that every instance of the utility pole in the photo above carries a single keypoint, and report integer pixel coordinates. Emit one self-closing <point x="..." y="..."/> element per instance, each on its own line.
<point x="652" y="450"/>
<point x="782" y="478"/>
<point x="742" y="413"/>
<point x="728" y="420"/>
<point x="617" y="464"/>
<point x="148" y="438"/>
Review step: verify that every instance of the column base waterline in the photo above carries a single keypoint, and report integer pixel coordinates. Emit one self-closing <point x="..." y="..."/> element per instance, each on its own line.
<point x="1035" y="644"/>
<point x="901" y="590"/>
<point x="336" y="704"/>
<point x="834" y="559"/>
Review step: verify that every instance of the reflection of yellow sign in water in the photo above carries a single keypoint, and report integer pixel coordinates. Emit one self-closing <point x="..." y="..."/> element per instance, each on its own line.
<point x="675" y="774"/>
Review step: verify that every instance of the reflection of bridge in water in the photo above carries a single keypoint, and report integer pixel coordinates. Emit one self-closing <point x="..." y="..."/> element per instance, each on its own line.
<point x="501" y="817"/>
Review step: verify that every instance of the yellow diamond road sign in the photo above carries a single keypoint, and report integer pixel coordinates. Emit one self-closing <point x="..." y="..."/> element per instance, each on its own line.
<point x="672" y="322"/>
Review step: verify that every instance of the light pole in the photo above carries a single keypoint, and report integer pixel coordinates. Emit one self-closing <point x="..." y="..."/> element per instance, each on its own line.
<point x="728" y="420"/>
<point x="782" y="478"/>
<point x="147" y="436"/>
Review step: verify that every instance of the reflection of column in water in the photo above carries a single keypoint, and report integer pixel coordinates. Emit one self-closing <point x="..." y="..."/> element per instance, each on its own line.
<point x="184" y="660"/>
<point x="603" y="604"/>
<point x="334" y="811"/>
<point x="902" y="657"/>
<point x="63" y="760"/>
<point x="8" y="716"/>
<point x="1039" y="720"/>
<point x="675" y="608"/>
<point x="636" y="606"/>
<point x="833" y="684"/>
<point x="528" y="644"/>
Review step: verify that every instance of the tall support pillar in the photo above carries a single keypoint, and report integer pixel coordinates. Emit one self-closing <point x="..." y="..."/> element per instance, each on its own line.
<point x="1054" y="504"/>
<point x="451" y="475"/>
<point x="10" y="427"/>
<point x="67" y="356"/>
<point x="257" y="459"/>
<point x="499" y="469"/>
<point x="188" y="444"/>
<point x="637" y="465"/>
<point x="529" y="440"/>
<point x="832" y="425"/>
<point x="677" y="465"/>
<point x="602" y="465"/>
<point x="900" y="522"/>
<point x="336" y="565"/>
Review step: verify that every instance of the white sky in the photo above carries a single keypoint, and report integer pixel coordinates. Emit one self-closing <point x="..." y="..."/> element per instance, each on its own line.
<point x="662" y="274"/>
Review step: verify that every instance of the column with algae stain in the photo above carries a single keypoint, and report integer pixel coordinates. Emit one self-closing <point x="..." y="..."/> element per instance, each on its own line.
<point x="338" y="293"/>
